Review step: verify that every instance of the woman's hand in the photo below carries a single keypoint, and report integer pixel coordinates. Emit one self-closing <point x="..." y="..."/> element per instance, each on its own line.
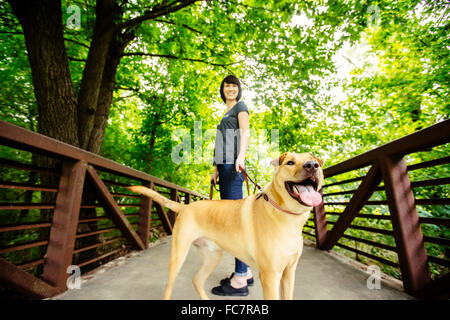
<point x="214" y="176"/>
<point x="240" y="163"/>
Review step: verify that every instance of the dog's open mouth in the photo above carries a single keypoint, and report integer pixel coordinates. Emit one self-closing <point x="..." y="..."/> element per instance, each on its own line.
<point x="304" y="191"/>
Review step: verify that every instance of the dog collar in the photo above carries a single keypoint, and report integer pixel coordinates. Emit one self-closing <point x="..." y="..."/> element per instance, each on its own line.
<point x="274" y="204"/>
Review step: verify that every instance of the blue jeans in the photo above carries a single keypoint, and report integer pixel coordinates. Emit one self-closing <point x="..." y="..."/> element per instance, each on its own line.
<point x="230" y="183"/>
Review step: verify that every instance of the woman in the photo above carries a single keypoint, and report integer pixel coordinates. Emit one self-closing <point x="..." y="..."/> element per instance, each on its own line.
<point x="231" y="144"/>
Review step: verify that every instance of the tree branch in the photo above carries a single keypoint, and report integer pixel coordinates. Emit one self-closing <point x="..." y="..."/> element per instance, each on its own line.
<point x="84" y="4"/>
<point x="11" y="32"/>
<point x="189" y="28"/>
<point x="77" y="42"/>
<point x="76" y="59"/>
<point x="128" y="89"/>
<point x="156" y="12"/>
<point x="170" y="56"/>
<point x="183" y="25"/>
<point x="125" y="97"/>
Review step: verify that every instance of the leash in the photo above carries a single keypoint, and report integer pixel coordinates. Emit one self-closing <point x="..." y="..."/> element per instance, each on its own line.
<point x="211" y="189"/>
<point x="246" y="178"/>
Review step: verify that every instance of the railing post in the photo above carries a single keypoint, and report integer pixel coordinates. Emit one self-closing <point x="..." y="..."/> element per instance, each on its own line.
<point x="64" y="224"/>
<point x="145" y="216"/>
<point x="187" y="198"/>
<point x="173" y="197"/>
<point x="112" y="208"/>
<point x="361" y="195"/>
<point x="22" y="281"/>
<point x="405" y="223"/>
<point x="320" y="223"/>
<point x="164" y="218"/>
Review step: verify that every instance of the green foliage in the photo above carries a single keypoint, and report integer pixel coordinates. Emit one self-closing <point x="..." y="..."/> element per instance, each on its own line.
<point x="285" y="53"/>
<point x="17" y="103"/>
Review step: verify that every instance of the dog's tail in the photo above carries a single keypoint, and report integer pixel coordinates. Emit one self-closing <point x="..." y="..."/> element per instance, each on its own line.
<point x="172" y="205"/>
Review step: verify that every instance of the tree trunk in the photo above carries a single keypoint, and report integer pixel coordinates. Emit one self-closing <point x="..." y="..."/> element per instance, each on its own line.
<point x="106" y="12"/>
<point x="107" y="90"/>
<point x="152" y="147"/>
<point x="42" y="26"/>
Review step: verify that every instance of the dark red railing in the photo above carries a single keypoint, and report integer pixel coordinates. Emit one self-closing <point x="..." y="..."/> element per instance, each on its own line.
<point x="88" y="181"/>
<point x="387" y="164"/>
<point x="37" y="267"/>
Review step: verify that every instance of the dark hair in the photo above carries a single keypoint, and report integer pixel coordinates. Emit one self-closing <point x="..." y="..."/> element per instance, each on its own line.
<point x="231" y="79"/>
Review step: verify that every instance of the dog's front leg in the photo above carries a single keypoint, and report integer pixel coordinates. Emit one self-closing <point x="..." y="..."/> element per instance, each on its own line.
<point x="270" y="281"/>
<point x="288" y="280"/>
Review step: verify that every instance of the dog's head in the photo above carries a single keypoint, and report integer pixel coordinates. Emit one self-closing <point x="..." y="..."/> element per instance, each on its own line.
<point x="299" y="178"/>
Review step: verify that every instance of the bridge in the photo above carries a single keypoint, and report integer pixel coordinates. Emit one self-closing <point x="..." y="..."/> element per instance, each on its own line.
<point x="108" y="234"/>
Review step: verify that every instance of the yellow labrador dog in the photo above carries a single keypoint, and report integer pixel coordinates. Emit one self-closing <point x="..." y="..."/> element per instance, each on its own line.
<point x="263" y="231"/>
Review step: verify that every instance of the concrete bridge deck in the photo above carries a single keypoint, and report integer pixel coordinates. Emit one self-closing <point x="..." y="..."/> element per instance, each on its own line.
<point x="143" y="275"/>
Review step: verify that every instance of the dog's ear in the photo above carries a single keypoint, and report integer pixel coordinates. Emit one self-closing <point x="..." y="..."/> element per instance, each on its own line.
<point x="278" y="161"/>
<point x="318" y="160"/>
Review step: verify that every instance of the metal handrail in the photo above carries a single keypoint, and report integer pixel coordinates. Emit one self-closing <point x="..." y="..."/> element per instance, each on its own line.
<point x="427" y="138"/>
<point x="23" y="139"/>
<point x="386" y="163"/>
<point x="76" y="166"/>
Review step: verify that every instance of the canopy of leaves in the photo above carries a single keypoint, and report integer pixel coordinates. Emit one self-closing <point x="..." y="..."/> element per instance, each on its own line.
<point x="335" y="78"/>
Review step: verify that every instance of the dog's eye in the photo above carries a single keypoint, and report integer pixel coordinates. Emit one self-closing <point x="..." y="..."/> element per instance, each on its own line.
<point x="290" y="163"/>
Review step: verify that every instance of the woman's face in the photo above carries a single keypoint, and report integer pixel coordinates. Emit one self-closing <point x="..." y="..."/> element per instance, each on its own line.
<point x="230" y="90"/>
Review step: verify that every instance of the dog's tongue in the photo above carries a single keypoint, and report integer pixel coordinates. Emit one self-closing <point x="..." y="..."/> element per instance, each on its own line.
<point x="308" y="195"/>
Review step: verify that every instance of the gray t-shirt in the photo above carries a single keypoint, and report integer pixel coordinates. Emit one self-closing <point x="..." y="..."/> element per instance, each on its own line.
<point x="227" y="144"/>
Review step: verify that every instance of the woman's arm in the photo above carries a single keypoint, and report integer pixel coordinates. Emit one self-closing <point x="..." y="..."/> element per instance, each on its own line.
<point x="243" y="119"/>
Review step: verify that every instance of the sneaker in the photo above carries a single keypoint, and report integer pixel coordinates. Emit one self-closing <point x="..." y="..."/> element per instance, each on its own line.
<point x="226" y="289"/>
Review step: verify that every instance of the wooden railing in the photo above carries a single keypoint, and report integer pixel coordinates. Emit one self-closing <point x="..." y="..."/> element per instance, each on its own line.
<point x="34" y="253"/>
<point x="399" y="227"/>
